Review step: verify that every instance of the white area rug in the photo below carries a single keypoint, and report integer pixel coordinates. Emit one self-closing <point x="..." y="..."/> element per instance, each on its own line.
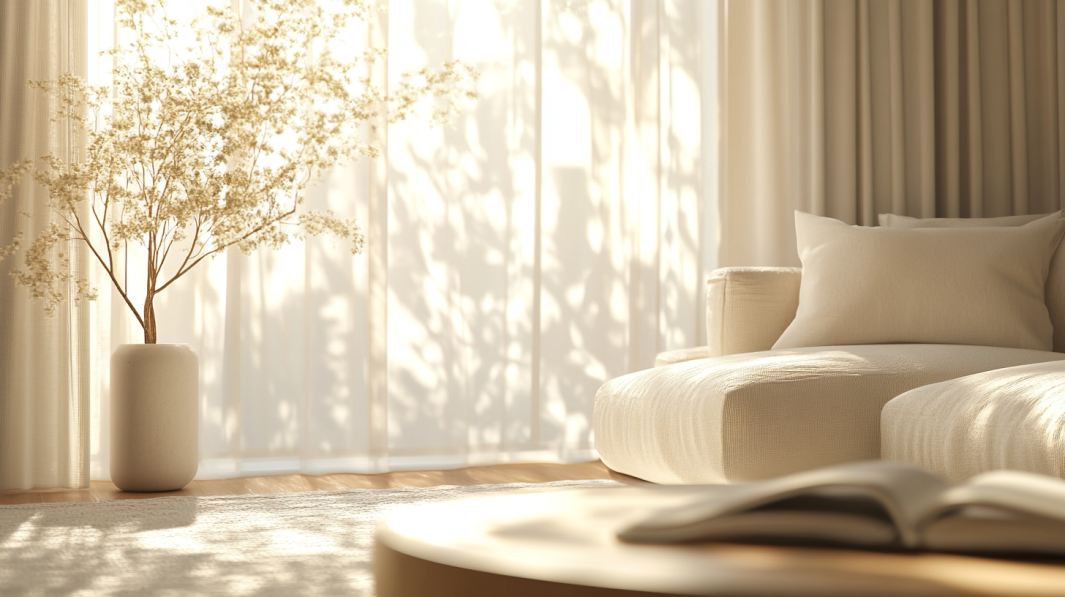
<point x="313" y="543"/>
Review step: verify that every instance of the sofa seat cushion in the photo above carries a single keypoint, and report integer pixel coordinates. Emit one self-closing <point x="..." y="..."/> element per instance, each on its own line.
<point x="1004" y="419"/>
<point x="758" y="415"/>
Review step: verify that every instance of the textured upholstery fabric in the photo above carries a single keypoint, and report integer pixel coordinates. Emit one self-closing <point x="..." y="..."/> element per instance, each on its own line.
<point x="758" y="415"/>
<point x="747" y="308"/>
<point x="671" y="357"/>
<point x="1054" y="292"/>
<point x="1010" y="418"/>
<point x="979" y="286"/>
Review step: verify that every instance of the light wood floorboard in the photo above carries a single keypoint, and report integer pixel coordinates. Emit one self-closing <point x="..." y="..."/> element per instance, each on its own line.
<point x="100" y="491"/>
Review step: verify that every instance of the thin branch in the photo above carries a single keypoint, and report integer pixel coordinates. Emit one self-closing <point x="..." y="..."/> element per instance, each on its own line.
<point x="121" y="290"/>
<point x="103" y="230"/>
<point x="193" y="247"/>
<point x="247" y="235"/>
<point x="169" y="242"/>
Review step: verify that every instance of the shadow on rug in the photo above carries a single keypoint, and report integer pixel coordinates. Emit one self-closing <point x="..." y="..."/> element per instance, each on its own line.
<point x="312" y="543"/>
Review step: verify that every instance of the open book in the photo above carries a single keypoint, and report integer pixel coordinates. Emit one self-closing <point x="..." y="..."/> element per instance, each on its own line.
<point x="874" y="504"/>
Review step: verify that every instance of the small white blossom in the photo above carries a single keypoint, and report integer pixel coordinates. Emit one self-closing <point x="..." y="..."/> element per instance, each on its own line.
<point x="318" y="222"/>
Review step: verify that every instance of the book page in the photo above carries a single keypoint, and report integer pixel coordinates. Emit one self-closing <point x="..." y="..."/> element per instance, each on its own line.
<point x="1004" y="511"/>
<point x="880" y="501"/>
<point x="802" y="527"/>
<point x="1015" y="491"/>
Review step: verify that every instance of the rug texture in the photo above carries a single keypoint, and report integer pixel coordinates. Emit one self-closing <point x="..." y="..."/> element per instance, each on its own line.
<point x="312" y="543"/>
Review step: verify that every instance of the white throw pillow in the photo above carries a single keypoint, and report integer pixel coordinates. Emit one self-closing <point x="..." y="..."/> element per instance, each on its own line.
<point x="1054" y="291"/>
<point x="978" y="286"/>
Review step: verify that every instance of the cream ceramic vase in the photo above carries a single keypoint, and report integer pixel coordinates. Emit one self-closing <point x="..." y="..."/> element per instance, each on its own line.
<point x="154" y="416"/>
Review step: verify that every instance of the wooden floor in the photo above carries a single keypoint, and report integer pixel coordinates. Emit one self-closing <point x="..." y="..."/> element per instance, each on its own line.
<point x="99" y="491"/>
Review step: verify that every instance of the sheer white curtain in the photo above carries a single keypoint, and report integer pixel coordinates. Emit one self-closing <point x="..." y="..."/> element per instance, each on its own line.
<point x="556" y="235"/>
<point x="44" y="377"/>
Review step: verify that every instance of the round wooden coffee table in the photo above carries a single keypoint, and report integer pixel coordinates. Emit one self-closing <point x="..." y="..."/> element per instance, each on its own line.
<point x="562" y="543"/>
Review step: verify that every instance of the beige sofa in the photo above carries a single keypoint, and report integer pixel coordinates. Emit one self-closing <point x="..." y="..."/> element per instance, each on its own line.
<point x="737" y="411"/>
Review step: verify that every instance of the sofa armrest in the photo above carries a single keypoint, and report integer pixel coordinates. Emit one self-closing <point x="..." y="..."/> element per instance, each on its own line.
<point x="679" y="356"/>
<point x="748" y="308"/>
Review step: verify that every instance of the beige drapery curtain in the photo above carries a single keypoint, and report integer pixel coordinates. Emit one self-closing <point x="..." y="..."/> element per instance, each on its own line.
<point x="850" y="108"/>
<point x="44" y="377"/>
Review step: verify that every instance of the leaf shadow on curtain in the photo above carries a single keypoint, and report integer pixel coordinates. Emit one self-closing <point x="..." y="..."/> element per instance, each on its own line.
<point x="459" y="340"/>
<point x="499" y="339"/>
<point x="510" y="299"/>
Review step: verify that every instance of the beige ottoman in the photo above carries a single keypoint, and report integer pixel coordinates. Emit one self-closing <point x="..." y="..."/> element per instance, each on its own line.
<point x="1011" y="418"/>
<point x="763" y="414"/>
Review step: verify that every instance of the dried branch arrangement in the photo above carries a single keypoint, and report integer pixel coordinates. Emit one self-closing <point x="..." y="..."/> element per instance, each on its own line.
<point x="210" y="145"/>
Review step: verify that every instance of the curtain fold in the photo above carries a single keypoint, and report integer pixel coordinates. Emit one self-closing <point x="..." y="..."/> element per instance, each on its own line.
<point x="44" y="371"/>
<point x="951" y="108"/>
